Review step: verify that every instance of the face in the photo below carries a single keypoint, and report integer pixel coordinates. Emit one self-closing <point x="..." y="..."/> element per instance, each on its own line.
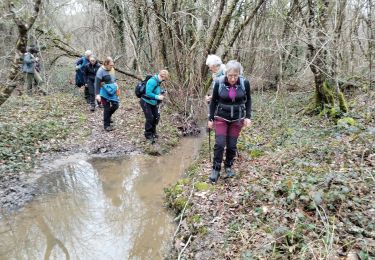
<point x="162" y="77"/>
<point x="214" y="68"/>
<point x="232" y="76"/>
<point x="109" y="66"/>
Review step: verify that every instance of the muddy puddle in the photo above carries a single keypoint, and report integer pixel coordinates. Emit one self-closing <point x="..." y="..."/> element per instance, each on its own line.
<point x="99" y="209"/>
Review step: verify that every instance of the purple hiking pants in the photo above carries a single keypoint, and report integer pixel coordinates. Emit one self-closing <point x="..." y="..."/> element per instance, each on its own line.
<point x="226" y="134"/>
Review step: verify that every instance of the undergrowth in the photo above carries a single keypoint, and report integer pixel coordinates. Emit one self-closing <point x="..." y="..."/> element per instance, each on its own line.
<point x="304" y="187"/>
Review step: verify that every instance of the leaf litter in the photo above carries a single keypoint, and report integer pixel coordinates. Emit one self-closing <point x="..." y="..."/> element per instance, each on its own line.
<point x="304" y="188"/>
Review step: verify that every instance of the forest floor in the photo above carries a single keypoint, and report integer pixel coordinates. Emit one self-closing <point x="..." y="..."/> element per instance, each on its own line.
<point x="37" y="130"/>
<point x="304" y="187"/>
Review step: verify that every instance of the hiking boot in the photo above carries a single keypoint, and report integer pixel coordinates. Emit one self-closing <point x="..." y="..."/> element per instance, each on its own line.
<point x="41" y="92"/>
<point x="214" y="176"/>
<point x="229" y="172"/>
<point x="151" y="140"/>
<point x="92" y="108"/>
<point x="108" y="128"/>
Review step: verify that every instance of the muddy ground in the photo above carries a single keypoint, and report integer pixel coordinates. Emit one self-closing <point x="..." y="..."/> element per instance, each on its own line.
<point x="37" y="130"/>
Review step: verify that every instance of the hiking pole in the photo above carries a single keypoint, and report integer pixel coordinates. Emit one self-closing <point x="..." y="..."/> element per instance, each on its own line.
<point x="209" y="129"/>
<point x="209" y="142"/>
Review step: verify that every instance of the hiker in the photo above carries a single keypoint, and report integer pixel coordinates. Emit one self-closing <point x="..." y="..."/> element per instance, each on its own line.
<point x="230" y="110"/>
<point x="31" y="68"/>
<point x="37" y="69"/>
<point x="90" y="72"/>
<point x="217" y="68"/>
<point x="154" y="94"/>
<point x="107" y="92"/>
<point x="80" y="76"/>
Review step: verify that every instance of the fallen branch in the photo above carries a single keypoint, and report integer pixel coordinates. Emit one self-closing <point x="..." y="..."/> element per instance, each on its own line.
<point x="183" y="249"/>
<point x="183" y="211"/>
<point x="69" y="51"/>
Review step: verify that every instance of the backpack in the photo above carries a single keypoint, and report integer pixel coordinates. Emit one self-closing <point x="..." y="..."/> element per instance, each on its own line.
<point x="140" y="88"/>
<point x="222" y="84"/>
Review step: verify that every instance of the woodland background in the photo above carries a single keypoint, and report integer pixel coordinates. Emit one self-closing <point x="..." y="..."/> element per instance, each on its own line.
<point x="282" y="45"/>
<point x="305" y="183"/>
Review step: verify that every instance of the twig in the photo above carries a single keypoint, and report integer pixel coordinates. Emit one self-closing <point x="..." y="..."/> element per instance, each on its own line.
<point x="183" y="249"/>
<point x="183" y="210"/>
<point x="299" y="111"/>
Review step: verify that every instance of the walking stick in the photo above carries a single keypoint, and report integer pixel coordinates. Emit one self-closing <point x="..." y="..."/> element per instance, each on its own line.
<point x="209" y="142"/>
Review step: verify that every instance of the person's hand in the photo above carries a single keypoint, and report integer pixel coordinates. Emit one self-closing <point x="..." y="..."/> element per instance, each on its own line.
<point x="208" y="98"/>
<point x="247" y="122"/>
<point x="78" y="67"/>
<point x="98" y="98"/>
<point x="160" y="97"/>
<point x="210" y="124"/>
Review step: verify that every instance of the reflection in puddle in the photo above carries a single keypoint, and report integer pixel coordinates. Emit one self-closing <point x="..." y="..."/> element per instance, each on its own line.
<point x="105" y="209"/>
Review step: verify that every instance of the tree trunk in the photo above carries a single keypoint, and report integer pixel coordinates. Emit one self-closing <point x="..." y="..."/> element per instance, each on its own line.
<point x="242" y="26"/>
<point x="117" y="15"/>
<point x="161" y="36"/>
<point x="371" y="36"/>
<point x="324" y="100"/>
<point x="23" y="27"/>
<point x="211" y="39"/>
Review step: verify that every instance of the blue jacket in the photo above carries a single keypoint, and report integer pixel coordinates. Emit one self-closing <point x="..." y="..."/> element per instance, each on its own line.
<point x="152" y="90"/>
<point x="81" y="62"/>
<point x="80" y="75"/>
<point x="108" y="91"/>
<point x="28" y="63"/>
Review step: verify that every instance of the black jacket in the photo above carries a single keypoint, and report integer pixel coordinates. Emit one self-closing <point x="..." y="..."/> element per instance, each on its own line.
<point x="90" y="71"/>
<point x="223" y="106"/>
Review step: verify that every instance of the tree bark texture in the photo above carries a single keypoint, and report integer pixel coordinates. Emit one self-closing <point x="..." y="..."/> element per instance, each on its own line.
<point x="319" y="60"/>
<point x="23" y="26"/>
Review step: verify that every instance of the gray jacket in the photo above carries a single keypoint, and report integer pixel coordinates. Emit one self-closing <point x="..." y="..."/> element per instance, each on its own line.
<point x="28" y="65"/>
<point x="105" y="76"/>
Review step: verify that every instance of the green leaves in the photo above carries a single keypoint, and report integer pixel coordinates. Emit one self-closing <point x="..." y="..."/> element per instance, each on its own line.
<point x="32" y="127"/>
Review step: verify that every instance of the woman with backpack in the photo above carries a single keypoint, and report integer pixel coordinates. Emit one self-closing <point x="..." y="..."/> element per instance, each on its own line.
<point x="90" y="71"/>
<point x="230" y="110"/>
<point x="30" y="68"/>
<point x="107" y="91"/>
<point x="150" y="103"/>
<point x="80" y="75"/>
<point x="217" y="68"/>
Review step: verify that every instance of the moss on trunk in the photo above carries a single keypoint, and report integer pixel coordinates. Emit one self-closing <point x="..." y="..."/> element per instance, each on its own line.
<point x="325" y="100"/>
<point x="342" y="102"/>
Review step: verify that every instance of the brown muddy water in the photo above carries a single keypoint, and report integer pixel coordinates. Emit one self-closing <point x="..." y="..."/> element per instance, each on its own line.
<point x="99" y="209"/>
